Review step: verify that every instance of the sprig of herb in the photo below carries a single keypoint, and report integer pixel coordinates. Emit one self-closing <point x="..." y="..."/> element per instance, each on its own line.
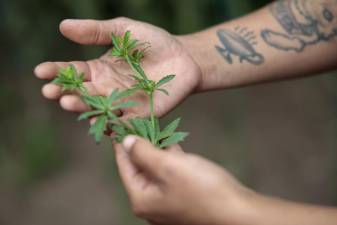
<point x="69" y="79"/>
<point x="103" y="108"/>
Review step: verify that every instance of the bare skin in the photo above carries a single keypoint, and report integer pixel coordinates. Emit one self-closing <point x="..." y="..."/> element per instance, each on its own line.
<point x="173" y="187"/>
<point x="166" y="56"/>
<point x="290" y="38"/>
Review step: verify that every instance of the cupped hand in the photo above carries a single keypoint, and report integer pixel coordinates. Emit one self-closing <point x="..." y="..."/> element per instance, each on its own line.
<point x="104" y="74"/>
<point x="172" y="187"/>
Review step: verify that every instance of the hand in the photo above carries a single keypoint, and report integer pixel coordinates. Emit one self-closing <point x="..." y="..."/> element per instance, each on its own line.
<point x="165" y="56"/>
<point x="172" y="187"/>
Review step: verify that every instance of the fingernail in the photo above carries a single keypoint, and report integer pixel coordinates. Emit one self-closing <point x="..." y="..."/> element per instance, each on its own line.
<point x="128" y="142"/>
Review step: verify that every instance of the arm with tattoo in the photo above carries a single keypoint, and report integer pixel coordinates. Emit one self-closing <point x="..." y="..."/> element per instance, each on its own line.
<point x="304" y="23"/>
<point x="287" y="39"/>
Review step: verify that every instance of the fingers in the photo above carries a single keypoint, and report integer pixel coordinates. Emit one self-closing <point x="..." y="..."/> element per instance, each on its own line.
<point x="144" y="155"/>
<point x="52" y="91"/>
<point x="49" y="70"/>
<point x="69" y="101"/>
<point x="93" y="32"/>
<point x="73" y="103"/>
<point x="130" y="175"/>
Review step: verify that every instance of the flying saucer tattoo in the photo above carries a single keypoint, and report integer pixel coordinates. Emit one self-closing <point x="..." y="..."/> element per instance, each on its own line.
<point x="240" y="43"/>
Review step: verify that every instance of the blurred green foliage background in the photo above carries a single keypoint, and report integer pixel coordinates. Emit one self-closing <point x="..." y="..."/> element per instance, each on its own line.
<point x="279" y="139"/>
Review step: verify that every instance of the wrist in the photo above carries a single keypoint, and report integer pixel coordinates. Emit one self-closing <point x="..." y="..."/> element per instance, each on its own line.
<point x="241" y="209"/>
<point x="193" y="45"/>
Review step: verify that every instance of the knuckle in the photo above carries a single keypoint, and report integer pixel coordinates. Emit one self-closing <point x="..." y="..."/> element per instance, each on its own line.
<point x="98" y="32"/>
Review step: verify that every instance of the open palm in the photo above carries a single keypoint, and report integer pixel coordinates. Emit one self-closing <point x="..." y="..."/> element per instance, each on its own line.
<point x="165" y="56"/>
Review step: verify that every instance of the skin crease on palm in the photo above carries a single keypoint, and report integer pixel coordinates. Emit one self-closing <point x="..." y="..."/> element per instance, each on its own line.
<point x="165" y="56"/>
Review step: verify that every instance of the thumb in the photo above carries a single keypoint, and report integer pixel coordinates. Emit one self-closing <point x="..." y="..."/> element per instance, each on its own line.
<point x="144" y="155"/>
<point x="93" y="32"/>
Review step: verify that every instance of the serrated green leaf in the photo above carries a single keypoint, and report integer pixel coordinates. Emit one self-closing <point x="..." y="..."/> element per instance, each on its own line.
<point x="140" y="127"/>
<point x="164" y="91"/>
<point x="132" y="45"/>
<point x="150" y="131"/>
<point x="118" y="138"/>
<point x="165" y="80"/>
<point x="71" y="70"/>
<point x="115" y="41"/>
<point x="69" y="79"/>
<point x="115" y="52"/>
<point x="89" y="114"/>
<point x="93" y="101"/>
<point x="112" y="116"/>
<point x="140" y="71"/>
<point x="98" y="128"/>
<point x="169" y="129"/>
<point x="157" y="128"/>
<point x="126" y="38"/>
<point x="114" y="96"/>
<point x="175" y="138"/>
<point x="137" y="78"/>
<point x="120" y="130"/>
<point x="127" y="127"/>
<point x="125" y="105"/>
<point x="104" y="101"/>
<point x="137" y="55"/>
<point x="130" y="91"/>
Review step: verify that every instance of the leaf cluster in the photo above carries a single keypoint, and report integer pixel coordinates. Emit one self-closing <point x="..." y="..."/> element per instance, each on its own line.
<point x="103" y="108"/>
<point x="126" y="48"/>
<point x="69" y="79"/>
<point x="143" y="128"/>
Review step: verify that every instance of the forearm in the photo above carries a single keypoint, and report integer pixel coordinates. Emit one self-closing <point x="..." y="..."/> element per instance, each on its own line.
<point x="284" y="40"/>
<point x="270" y="211"/>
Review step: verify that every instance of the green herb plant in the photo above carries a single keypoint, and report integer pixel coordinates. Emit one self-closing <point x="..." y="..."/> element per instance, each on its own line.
<point x="103" y="107"/>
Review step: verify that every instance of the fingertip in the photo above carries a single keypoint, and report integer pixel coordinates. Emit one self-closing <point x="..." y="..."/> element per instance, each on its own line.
<point x="92" y="120"/>
<point x="37" y="71"/>
<point x="67" y="24"/>
<point x="73" y="103"/>
<point x="129" y="142"/>
<point x="45" y="70"/>
<point x="51" y="91"/>
<point x="79" y="31"/>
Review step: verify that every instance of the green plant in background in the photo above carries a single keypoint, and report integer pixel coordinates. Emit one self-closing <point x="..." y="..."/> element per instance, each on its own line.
<point x="103" y="107"/>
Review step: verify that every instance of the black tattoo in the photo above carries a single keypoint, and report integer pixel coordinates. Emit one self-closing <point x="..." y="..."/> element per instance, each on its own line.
<point x="239" y="43"/>
<point x="306" y="22"/>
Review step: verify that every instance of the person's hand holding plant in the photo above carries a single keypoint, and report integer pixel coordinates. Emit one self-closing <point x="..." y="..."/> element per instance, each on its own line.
<point x="102" y="75"/>
<point x="172" y="187"/>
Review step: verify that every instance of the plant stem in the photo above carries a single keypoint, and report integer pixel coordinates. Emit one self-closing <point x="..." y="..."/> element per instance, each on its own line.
<point x="128" y="60"/>
<point x="150" y="94"/>
<point x="152" y="112"/>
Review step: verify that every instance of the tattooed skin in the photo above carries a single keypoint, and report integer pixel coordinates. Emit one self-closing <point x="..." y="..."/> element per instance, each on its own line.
<point x="239" y="43"/>
<point x="305" y="22"/>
